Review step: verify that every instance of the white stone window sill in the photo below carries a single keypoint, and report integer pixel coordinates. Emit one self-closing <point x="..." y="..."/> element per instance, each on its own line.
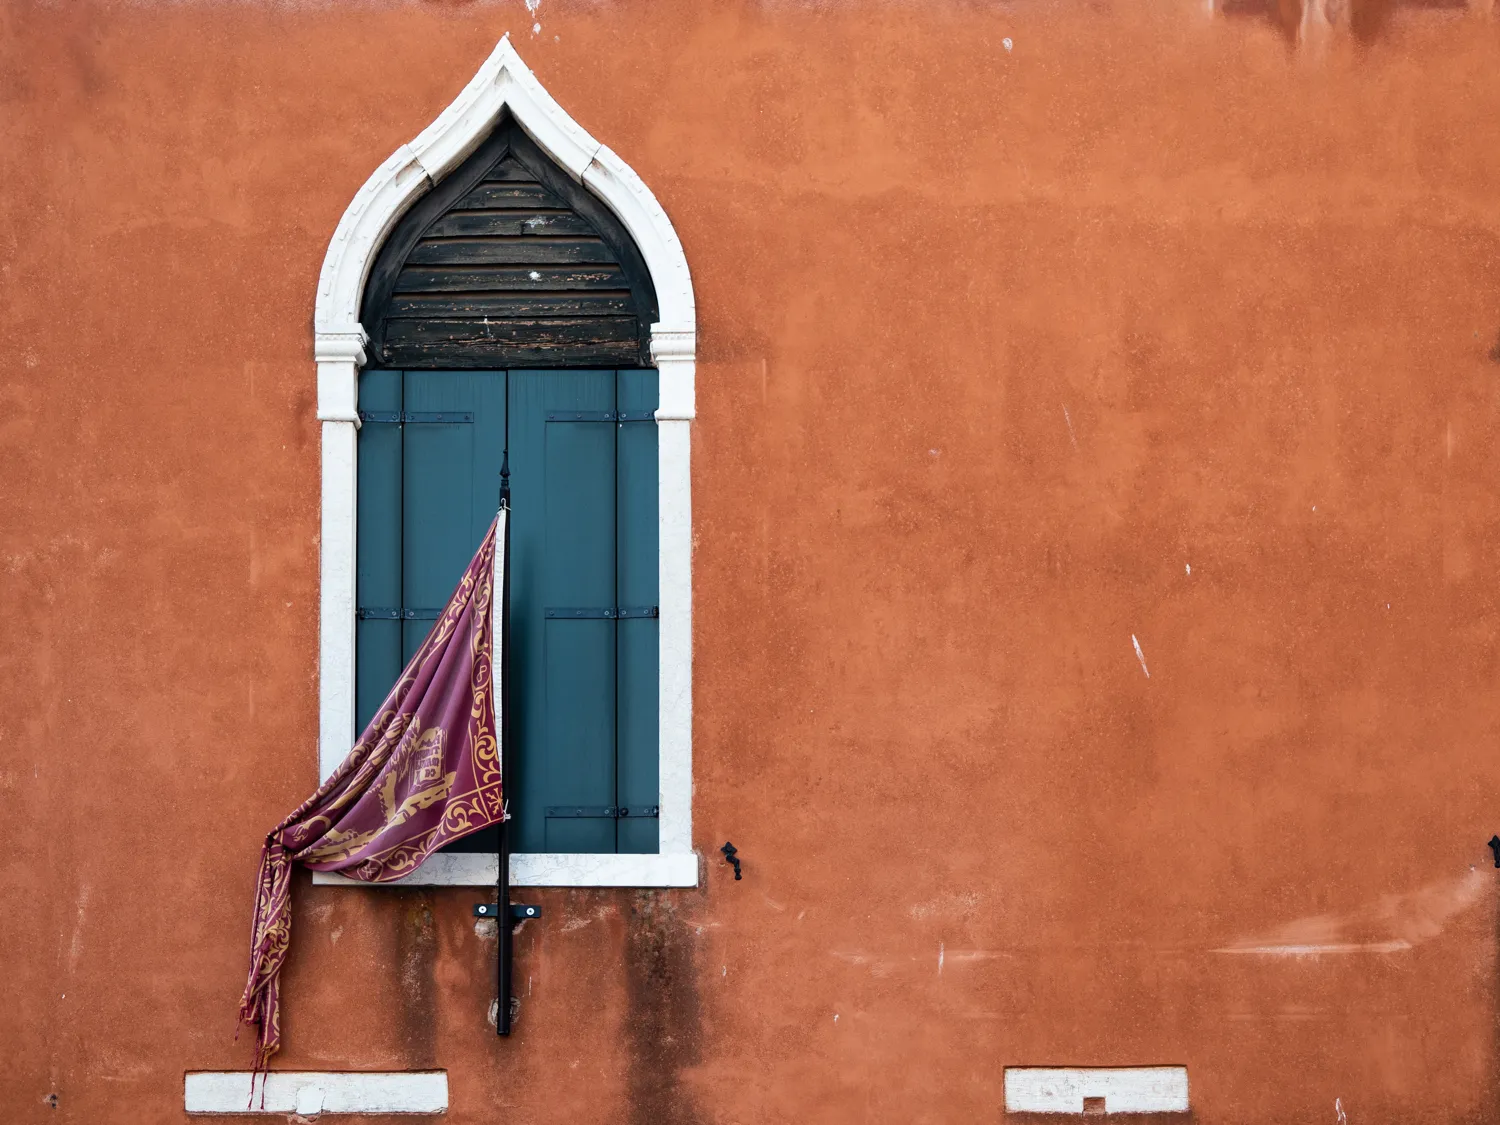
<point x="542" y="869"/>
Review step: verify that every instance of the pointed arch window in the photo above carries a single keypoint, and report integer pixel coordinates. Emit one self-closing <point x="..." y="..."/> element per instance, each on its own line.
<point x="506" y="268"/>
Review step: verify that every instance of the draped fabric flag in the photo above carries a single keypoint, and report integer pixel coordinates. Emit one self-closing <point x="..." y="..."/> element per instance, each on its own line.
<point x="425" y="772"/>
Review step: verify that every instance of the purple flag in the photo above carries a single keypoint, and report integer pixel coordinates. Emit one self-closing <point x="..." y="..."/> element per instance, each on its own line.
<point x="425" y="772"/>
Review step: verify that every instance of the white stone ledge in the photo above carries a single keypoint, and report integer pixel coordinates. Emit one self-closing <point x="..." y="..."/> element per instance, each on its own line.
<point x="313" y="1092"/>
<point x="1126" y="1089"/>
<point x="541" y="869"/>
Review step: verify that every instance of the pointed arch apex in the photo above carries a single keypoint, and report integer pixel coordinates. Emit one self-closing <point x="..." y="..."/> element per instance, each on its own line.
<point x="503" y="82"/>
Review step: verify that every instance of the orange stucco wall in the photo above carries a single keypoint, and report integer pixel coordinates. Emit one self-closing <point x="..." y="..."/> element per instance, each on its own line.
<point x="1155" y="325"/>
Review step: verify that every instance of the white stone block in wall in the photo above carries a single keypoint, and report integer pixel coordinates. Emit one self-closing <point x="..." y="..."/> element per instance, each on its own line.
<point x="1080" y="1089"/>
<point x="312" y="1092"/>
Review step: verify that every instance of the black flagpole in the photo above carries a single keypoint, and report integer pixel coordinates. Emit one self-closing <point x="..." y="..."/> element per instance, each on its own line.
<point x="504" y="913"/>
<point x="503" y="992"/>
<point x="507" y="914"/>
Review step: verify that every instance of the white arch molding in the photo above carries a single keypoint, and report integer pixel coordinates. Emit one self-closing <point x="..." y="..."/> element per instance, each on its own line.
<point x="505" y="82"/>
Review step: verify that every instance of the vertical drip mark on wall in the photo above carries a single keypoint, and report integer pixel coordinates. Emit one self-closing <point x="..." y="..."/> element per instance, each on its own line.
<point x="417" y="952"/>
<point x="1139" y="655"/>
<point x="663" y="1021"/>
<point x="75" y="945"/>
<point x="1068" y="418"/>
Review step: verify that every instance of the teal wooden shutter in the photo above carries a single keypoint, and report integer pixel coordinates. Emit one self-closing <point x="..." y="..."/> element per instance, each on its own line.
<point x="429" y="469"/>
<point x="583" y="576"/>
<point x="637" y="663"/>
<point x="562" y="578"/>
<point x="377" y="568"/>
<point x="450" y="482"/>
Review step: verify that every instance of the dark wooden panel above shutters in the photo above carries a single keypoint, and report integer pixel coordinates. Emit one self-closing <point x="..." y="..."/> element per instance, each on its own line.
<point x="509" y="263"/>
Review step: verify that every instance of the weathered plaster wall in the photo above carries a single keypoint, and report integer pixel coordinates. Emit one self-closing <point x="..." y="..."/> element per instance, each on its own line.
<point x="995" y="345"/>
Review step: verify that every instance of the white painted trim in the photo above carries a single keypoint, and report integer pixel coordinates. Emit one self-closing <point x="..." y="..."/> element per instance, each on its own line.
<point x="504" y="81"/>
<point x="310" y="1093"/>
<point x="543" y="869"/>
<point x="336" y="608"/>
<point x="1130" y="1089"/>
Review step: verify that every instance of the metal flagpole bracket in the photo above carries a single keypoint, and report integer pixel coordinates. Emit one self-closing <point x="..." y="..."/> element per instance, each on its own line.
<point x="519" y="911"/>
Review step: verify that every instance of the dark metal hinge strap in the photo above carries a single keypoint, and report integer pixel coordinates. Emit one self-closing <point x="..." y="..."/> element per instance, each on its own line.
<point x="445" y="417"/>
<point x="602" y="416"/>
<point x="384" y="614"/>
<point x="606" y="611"/>
<point x="604" y="812"/>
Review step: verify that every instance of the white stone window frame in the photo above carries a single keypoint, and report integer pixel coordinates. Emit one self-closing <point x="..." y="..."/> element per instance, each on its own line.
<point x="505" y="82"/>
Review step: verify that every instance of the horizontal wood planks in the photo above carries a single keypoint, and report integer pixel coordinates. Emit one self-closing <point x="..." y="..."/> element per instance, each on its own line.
<point x="509" y="263"/>
<point x="503" y="251"/>
<point x="517" y="305"/>
<point x="484" y="279"/>
<point x="508" y="195"/>
<point x="445" y="343"/>
<point x="469" y="224"/>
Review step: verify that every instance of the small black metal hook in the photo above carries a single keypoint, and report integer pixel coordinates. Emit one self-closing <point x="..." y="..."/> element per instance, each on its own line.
<point x="730" y="851"/>
<point x="1494" y="843"/>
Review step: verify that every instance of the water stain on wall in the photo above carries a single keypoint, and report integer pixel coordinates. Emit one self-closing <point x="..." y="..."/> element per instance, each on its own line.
<point x="416" y="955"/>
<point x="663" y="1018"/>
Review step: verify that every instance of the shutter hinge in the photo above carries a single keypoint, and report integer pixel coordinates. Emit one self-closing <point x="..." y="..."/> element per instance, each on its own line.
<point x="519" y="911"/>
<point x="602" y="416"/>
<point x="382" y="614"/>
<point x="603" y="812"/>
<point x="446" y="417"/>
<point x="606" y="611"/>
